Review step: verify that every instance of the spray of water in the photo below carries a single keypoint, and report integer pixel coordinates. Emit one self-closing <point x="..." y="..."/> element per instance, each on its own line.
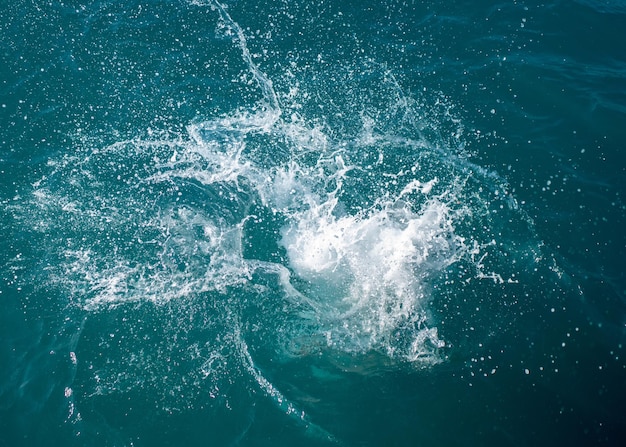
<point x="346" y="236"/>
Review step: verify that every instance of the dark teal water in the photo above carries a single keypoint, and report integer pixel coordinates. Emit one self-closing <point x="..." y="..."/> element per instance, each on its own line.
<point x="387" y="223"/>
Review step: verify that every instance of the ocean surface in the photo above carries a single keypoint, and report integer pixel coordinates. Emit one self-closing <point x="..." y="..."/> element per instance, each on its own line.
<point x="312" y="223"/>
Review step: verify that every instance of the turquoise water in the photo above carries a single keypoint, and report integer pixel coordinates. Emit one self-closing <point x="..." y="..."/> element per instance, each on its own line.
<point x="312" y="223"/>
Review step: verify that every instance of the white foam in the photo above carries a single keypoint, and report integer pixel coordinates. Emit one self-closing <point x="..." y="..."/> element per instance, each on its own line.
<point x="371" y="270"/>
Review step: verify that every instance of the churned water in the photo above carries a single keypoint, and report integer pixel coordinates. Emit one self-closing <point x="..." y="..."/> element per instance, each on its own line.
<point x="387" y="223"/>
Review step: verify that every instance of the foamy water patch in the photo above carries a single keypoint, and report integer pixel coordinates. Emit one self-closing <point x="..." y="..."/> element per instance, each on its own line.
<point x="371" y="271"/>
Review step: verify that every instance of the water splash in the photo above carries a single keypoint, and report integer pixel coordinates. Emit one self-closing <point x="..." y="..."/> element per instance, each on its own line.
<point x="344" y="238"/>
